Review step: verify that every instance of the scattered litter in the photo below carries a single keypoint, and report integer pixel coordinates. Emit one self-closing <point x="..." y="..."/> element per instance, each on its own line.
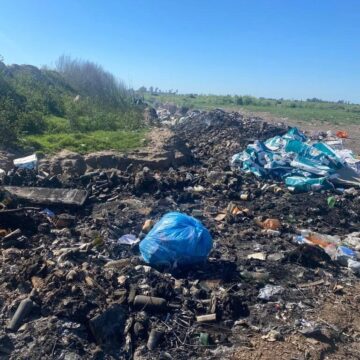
<point x="154" y="338"/>
<point x="206" y="318"/>
<point x="220" y="217"/>
<point x="271" y="224"/>
<point x="344" y="254"/>
<point x="354" y="266"/>
<point x="148" y="224"/>
<point x="352" y="240"/>
<point x="21" y="313"/>
<point x="272" y="336"/>
<point x="257" y="256"/>
<point x="342" y="134"/>
<point x="28" y="162"/>
<point x="149" y="303"/>
<point x="332" y="245"/>
<point x="311" y="284"/>
<point x="128" y="239"/>
<point x="94" y="297"/>
<point x="267" y="292"/>
<point x="204" y="339"/>
<point x="331" y="201"/>
<point x="38" y="195"/>
<point x="199" y="188"/>
<point x="48" y="213"/>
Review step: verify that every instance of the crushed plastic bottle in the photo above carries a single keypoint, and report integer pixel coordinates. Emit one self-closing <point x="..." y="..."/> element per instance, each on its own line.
<point x="332" y="245"/>
<point x="344" y="254"/>
<point x="267" y="292"/>
<point x="320" y="239"/>
<point x="354" y="266"/>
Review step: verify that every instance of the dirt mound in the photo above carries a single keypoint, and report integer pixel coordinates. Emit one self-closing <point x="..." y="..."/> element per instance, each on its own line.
<point x="164" y="149"/>
<point x="216" y="135"/>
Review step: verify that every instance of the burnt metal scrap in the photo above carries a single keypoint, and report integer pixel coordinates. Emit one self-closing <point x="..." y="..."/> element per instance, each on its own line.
<point x="48" y="196"/>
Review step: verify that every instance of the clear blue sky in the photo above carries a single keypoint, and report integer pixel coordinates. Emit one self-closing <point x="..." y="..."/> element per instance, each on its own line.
<point x="271" y="48"/>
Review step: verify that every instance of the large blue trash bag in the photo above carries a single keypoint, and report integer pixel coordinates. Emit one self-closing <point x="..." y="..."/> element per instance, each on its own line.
<point x="176" y="239"/>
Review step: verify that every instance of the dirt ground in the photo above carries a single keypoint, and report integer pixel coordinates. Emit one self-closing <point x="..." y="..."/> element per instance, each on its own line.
<point x="82" y="280"/>
<point x="353" y="142"/>
<point x="340" y="311"/>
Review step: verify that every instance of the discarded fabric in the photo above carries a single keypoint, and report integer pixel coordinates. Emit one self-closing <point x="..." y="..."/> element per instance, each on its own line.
<point x="176" y="239"/>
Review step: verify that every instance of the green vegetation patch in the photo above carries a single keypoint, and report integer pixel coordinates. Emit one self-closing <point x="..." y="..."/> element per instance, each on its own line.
<point x="87" y="142"/>
<point x="308" y="114"/>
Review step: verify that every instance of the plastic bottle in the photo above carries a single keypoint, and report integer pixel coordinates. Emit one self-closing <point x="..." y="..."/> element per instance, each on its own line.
<point x="320" y="239"/>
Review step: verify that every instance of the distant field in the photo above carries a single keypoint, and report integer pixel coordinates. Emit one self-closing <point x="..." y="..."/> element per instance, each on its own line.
<point x="87" y="142"/>
<point x="334" y="116"/>
<point x="336" y="113"/>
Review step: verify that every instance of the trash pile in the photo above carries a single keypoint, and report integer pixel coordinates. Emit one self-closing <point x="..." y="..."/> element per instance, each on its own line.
<point x="191" y="261"/>
<point x="301" y="164"/>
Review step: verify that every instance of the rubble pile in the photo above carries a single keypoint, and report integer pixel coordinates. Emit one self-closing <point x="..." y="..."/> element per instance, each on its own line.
<point x="74" y="284"/>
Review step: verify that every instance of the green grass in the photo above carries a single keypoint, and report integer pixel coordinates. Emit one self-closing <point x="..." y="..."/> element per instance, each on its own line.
<point x="333" y="116"/>
<point x="56" y="124"/>
<point x="318" y="111"/>
<point x="87" y="142"/>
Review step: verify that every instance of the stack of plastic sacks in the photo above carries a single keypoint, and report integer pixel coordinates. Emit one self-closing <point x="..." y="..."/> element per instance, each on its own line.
<point x="292" y="159"/>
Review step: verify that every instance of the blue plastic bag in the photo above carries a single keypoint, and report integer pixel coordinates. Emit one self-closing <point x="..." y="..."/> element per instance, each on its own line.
<point x="176" y="239"/>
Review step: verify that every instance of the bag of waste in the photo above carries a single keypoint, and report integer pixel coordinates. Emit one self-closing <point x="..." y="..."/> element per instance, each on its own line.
<point x="176" y="239"/>
<point x="304" y="165"/>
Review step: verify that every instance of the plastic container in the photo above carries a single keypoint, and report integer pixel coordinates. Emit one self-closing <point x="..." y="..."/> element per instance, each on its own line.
<point x="28" y="162"/>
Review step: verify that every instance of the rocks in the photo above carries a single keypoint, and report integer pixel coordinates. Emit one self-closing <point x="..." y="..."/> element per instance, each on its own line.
<point x="66" y="164"/>
<point x="6" y="160"/>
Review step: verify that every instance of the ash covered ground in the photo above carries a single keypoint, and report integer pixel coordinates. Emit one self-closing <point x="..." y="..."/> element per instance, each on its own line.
<point x="81" y="282"/>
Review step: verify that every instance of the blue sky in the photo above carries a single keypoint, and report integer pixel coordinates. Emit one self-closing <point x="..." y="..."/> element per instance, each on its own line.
<point x="271" y="48"/>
